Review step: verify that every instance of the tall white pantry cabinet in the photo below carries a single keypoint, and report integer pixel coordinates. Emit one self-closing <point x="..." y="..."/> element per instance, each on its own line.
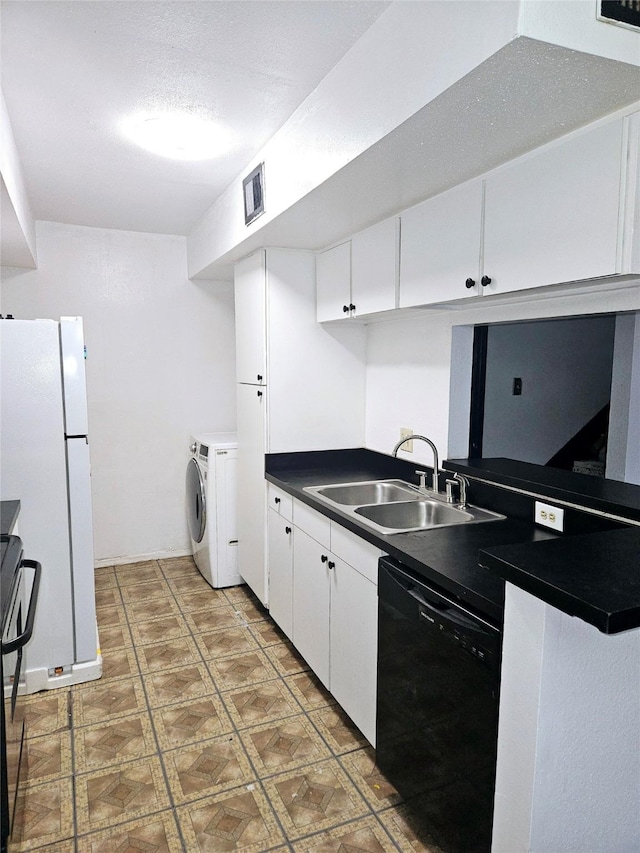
<point x="300" y="385"/>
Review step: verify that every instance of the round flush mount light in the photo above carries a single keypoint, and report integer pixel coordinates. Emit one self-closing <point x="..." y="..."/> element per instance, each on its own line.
<point x="179" y="136"/>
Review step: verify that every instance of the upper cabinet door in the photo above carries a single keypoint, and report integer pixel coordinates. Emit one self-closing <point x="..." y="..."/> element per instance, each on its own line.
<point x="554" y="216"/>
<point x="440" y="247"/>
<point x="251" y="321"/>
<point x="374" y="268"/>
<point x="333" y="283"/>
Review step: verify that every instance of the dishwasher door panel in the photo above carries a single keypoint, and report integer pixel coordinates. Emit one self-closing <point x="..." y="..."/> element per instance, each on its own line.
<point x="438" y="682"/>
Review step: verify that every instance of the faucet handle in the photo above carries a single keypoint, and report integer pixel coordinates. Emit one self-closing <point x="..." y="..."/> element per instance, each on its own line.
<point x="450" y="485"/>
<point x="463" y="482"/>
<point x="422" y="478"/>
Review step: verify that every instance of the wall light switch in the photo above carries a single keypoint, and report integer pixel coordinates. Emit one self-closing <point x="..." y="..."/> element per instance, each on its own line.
<point x="549" y="516"/>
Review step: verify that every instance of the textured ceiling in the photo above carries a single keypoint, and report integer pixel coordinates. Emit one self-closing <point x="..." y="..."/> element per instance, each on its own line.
<point x="71" y="71"/>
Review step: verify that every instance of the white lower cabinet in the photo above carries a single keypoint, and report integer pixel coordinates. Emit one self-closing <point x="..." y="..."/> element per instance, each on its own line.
<point x="331" y="605"/>
<point x="353" y="646"/>
<point x="280" y="565"/>
<point x="311" y="602"/>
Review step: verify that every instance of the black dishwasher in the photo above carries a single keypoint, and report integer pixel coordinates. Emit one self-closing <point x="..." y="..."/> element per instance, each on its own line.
<point x="437" y="709"/>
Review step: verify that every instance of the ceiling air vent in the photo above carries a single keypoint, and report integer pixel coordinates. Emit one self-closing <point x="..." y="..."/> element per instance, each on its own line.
<point x="253" y="189"/>
<point x="626" y="13"/>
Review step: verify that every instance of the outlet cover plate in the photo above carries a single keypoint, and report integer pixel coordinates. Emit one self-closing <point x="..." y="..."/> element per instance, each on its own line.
<point x="405" y="432"/>
<point x="549" y="516"/>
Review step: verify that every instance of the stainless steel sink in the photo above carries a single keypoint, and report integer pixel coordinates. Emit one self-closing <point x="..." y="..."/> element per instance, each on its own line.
<point x="371" y="492"/>
<point x="413" y="515"/>
<point x="393" y="506"/>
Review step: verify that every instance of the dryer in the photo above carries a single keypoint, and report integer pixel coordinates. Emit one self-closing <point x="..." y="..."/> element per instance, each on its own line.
<point x="210" y="486"/>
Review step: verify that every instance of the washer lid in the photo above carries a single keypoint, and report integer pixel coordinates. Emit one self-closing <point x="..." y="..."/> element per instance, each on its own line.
<point x="196" y="501"/>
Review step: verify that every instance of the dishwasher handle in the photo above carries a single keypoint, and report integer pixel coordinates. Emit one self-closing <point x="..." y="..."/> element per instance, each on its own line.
<point x="442" y="607"/>
<point x="23" y="638"/>
<point x="454" y="616"/>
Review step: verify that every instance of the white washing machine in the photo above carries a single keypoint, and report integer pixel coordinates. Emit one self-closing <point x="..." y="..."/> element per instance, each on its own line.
<point x="211" y="506"/>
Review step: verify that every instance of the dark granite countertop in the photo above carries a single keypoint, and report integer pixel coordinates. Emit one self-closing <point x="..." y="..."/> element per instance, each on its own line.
<point x="9" y="511"/>
<point x="595" y="577"/>
<point x="447" y="556"/>
<point x="596" y="493"/>
<point x="592" y="575"/>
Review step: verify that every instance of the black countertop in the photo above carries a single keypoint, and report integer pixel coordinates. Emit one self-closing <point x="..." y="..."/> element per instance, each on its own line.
<point x="596" y="493"/>
<point x="447" y="556"/>
<point x="595" y="577"/>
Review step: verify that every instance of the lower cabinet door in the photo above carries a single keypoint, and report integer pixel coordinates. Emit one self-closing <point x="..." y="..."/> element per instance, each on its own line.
<point x="252" y="499"/>
<point x="311" y="592"/>
<point x="280" y="564"/>
<point x="354" y="646"/>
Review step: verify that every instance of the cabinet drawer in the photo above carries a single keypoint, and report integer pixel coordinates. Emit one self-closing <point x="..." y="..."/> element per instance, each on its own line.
<point x="280" y="501"/>
<point x="314" y="524"/>
<point x="360" y="555"/>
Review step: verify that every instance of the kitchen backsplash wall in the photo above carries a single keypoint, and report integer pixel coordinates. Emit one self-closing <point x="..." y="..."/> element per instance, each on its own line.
<point x="409" y="367"/>
<point x="160" y="366"/>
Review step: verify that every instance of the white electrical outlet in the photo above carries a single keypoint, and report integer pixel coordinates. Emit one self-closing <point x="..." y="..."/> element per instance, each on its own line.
<point x="549" y="516"/>
<point x="405" y="432"/>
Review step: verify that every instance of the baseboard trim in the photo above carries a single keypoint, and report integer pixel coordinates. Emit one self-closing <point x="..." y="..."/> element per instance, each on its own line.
<point x="139" y="558"/>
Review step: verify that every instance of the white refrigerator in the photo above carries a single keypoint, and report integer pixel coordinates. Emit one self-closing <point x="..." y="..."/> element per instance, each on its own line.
<point x="44" y="463"/>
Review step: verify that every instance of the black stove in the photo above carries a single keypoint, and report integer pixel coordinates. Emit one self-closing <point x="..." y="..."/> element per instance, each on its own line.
<point x="16" y="625"/>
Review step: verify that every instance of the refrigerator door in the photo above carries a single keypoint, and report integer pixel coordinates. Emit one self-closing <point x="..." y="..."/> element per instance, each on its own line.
<point x="81" y="530"/>
<point x="34" y="471"/>
<point x="73" y="376"/>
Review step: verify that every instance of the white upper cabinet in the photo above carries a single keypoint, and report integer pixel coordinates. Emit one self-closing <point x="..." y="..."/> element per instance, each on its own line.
<point x="440" y="248"/>
<point x="251" y="319"/>
<point x="360" y="277"/>
<point x="564" y="213"/>
<point x="374" y="268"/>
<point x="554" y="216"/>
<point x="333" y="283"/>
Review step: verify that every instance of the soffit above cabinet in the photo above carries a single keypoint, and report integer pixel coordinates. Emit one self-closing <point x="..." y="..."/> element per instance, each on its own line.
<point x="525" y="95"/>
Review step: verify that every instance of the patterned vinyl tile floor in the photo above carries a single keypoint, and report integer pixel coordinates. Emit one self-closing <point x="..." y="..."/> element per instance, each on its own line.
<point x="207" y="733"/>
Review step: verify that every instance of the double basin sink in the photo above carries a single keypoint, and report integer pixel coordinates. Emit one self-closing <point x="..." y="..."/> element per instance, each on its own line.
<point x="393" y="506"/>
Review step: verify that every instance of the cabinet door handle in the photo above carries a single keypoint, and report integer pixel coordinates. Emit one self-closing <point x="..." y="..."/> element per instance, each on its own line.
<point x="276" y="500"/>
<point x="259" y="393"/>
<point x="259" y="377"/>
<point x="485" y="280"/>
<point x="287" y="530"/>
<point x="323" y="558"/>
<point x="331" y="564"/>
<point x="469" y="283"/>
<point x="345" y="309"/>
<point x="352" y="307"/>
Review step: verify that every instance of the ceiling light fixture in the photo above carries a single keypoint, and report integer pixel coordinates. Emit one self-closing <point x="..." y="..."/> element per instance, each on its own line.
<point x="179" y="136"/>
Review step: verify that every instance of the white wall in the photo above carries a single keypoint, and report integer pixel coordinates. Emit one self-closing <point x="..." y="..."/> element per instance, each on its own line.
<point x="391" y="72"/>
<point x="568" y="774"/>
<point x="19" y="233"/>
<point x="160" y="366"/>
<point x="565" y="367"/>
<point x="408" y="366"/>
<point x="623" y="453"/>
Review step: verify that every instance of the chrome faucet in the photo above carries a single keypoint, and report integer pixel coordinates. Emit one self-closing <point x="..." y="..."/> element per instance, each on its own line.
<point x="436" y="462"/>
<point x="463" y="488"/>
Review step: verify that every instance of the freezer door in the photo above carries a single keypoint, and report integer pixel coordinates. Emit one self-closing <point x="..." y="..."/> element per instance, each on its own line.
<point x="73" y="376"/>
